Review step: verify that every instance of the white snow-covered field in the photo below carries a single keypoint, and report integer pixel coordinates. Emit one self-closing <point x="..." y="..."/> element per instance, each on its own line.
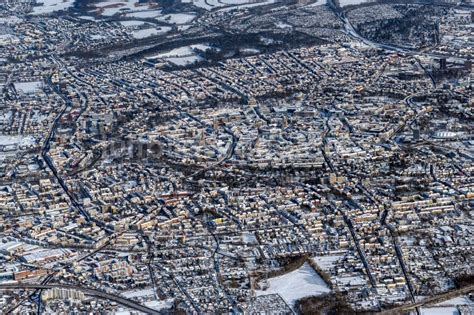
<point x="296" y="285"/>
<point x="183" y="55"/>
<point x="181" y="51"/>
<point x="144" y="14"/>
<point x="318" y="2"/>
<point x="109" y="8"/>
<point x="152" y="31"/>
<point x="213" y="4"/>
<point x="447" y="307"/>
<point x="131" y="23"/>
<point x="160" y="305"/>
<point x="460" y="300"/>
<point x="14" y="140"/>
<point x="49" y="6"/>
<point x="138" y="293"/>
<point x="27" y="87"/>
<point x="326" y="262"/>
<point x="87" y="18"/>
<point x="249" y="238"/>
<point x="249" y="51"/>
<point x="247" y="5"/>
<point x="354" y="280"/>
<point x="344" y="3"/>
<point x="183" y="61"/>
<point x="440" y="311"/>
<point x="7" y="39"/>
<point x="283" y="25"/>
<point x="10" y="20"/>
<point x="177" y="18"/>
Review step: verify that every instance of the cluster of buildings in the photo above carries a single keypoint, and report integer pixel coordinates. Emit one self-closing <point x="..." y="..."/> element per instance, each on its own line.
<point x="127" y="186"/>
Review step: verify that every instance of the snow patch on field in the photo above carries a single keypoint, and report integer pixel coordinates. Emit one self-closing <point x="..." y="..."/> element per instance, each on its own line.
<point x="177" y="18"/>
<point x="326" y="262"/>
<point x="448" y="307"/>
<point x="182" y="56"/>
<point x="181" y="51"/>
<point x="318" y="2"/>
<point x="110" y="8"/>
<point x="228" y="4"/>
<point x="6" y="140"/>
<point x="160" y="305"/>
<point x="344" y="3"/>
<point x="440" y="311"/>
<point x="144" y="14"/>
<point x="132" y="23"/>
<point x="50" y="6"/>
<point x="28" y="87"/>
<point x="297" y="284"/>
<point x="460" y="300"/>
<point x="147" y="32"/>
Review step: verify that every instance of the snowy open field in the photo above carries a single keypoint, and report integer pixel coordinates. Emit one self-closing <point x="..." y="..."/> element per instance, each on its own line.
<point x="296" y="285"/>
<point x="440" y="311"/>
<point x="6" y="140"/>
<point x="344" y="3"/>
<point x="49" y="6"/>
<point x="326" y="262"/>
<point x="182" y="56"/>
<point x="27" y="87"/>
<point x="110" y="8"/>
<point x="447" y="307"/>
<point x="317" y="2"/>
<point x="132" y="23"/>
<point x="152" y="31"/>
<point x="177" y="18"/>
<point x="144" y="14"/>
<point x="460" y="300"/>
<point x="215" y="4"/>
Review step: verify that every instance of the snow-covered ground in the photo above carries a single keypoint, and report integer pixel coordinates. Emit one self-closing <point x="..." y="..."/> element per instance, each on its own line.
<point x="353" y="2"/>
<point x="283" y="25"/>
<point x="132" y="23"/>
<point x="7" y="39"/>
<point x="184" y="61"/>
<point x="87" y="18"/>
<point x="160" y="305"/>
<point x="109" y="8"/>
<point x="147" y="32"/>
<point x="181" y="51"/>
<point x="440" y="311"/>
<point x="447" y="307"/>
<point x="354" y="280"/>
<point x="249" y="238"/>
<point x="326" y="262"/>
<point x="215" y="4"/>
<point x="14" y="140"/>
<point x="249" y="51"/>
<point x="318" y="2"/>
<point x="10" y="20"/>
<point x="182" y="56"/>
<point x="296" y="285"/>
<point x="27" y="87"/>
<point x="177" y="18"/>
<point x="248" y="5"/>
<point x="460" y="300"/>
<point x="144" y="14"/>
<point x="49" y="6"/>
<point x="138" y="293"/>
